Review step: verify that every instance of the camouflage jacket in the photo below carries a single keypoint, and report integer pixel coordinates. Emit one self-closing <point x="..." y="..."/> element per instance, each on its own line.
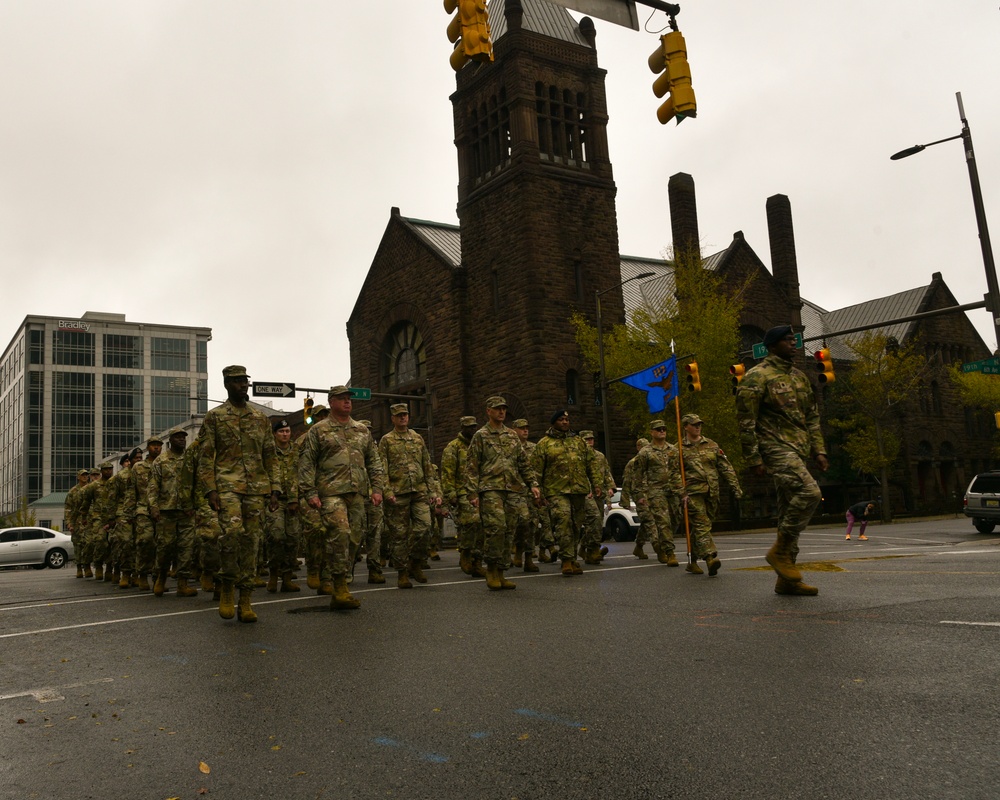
<point x="776" y="410"/>
<point x="124" y="493"/>
<point x="72" y="507"/>
<point x="496" y="461"/>
<point x="164" y="491"/>
<point x="288" y="472"/>
<point x="237" y="452"/>
<point x="607" y="479"/>
<point x="704" y="462"/>
<point x="407" y="464"/>
<point x="339" y="458"/>
<point x="566" y="465"/>
<point x="100" y="501"/>
<point x="628" y="483"/>
<point x="453" y="469"/>
<point x="656" y="471"/>
<point x="140" y="483"/>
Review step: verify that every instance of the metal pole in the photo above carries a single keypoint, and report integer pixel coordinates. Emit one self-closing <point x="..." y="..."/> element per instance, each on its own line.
<point x="603" y="381"/>
<point x="993" y="295"/>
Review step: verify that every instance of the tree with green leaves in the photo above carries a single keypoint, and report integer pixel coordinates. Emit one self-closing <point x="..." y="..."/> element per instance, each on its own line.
<point x="22" y="518"/>
<point x="883" y="376"/>
<point x="702" y="320"/>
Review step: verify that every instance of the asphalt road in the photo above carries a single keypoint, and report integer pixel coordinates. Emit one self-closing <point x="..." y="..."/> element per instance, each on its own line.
<point x="633" y="681"/>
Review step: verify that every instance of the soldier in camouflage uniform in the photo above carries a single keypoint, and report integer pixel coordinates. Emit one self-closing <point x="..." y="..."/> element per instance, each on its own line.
<point x="466" y="515"/>
<point x="593" y="526"/>
<point x="145" y="530"/>
<point x="338" y="466"/>
<point x="779" y="430"/>
<point x="282" y="529"/>
<point x="704" y="463"/>
<point x="568" y="472"/>
<point x="657" y="478"/>
<point x="123" y="537"/>
<point x="83" y="516"/>
<point x="411" y="489"/>
<point x="496" y="474"/>
<point x="71" y="518"/>
<point x="237" y="471"/>
<point x="438" y="513"/>
<point x="527" y="529"/>
<point x="170" y="509"/>
<point x="646" y="522"/>
<point x="102" y="509"/>
<point x="206" y="522"/>
<point x="311" y="524"/>
<point x="374" y="531"/>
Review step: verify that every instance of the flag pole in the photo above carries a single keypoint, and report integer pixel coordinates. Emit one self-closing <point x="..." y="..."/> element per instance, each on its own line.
<point x="680" y="459"/>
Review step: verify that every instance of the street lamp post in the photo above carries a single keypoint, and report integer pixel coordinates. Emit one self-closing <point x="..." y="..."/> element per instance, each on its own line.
<point x="993" y="294"/>
<point x="602" y="379"/>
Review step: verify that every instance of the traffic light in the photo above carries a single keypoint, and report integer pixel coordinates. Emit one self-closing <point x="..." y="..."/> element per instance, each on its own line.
<point x="824" y="363"/>
<point x="693" y="379"/>
<point x="307" y="410"/>
<point x="996" y="419"/>
<point x="737" y="371"/>
<point x="670" y="58"/>
<point x="469" y="31"/>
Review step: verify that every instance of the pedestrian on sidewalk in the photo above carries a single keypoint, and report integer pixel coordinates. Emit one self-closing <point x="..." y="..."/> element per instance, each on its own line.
<point x="859" y="513"/>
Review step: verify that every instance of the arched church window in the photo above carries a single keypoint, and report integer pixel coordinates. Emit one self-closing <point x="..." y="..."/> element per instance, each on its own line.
<point x="403" y="356"/>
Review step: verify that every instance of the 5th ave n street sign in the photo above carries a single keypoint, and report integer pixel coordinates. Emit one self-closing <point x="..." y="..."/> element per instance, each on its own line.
<point x="988" y="366"/>
<point x="261" y="389"/>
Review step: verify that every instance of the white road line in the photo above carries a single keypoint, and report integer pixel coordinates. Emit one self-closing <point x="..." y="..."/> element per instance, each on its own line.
<point x="51" y="693"/>
<point x="959" y="622"/>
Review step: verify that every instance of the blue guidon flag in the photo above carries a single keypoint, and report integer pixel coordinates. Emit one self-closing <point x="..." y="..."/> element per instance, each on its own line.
<point x="659" y="382"/>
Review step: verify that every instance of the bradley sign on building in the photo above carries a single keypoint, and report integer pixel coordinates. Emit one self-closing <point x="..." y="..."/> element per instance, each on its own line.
<point x="73" y="325"/>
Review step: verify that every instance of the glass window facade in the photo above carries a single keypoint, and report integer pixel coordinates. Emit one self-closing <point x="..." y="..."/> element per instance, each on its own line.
<point x="36" y="347"/>
<point x="202" y="356"/>
<point x="169" y="401"/>
<point x="170" y="354"/>
<point x="122" y="412"/>
<point x="122" y="352"/>
<point x="72" y="427"/>
<point x="73" y="348"/>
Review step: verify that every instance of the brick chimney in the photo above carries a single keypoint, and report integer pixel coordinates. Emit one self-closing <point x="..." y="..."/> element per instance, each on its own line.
<point x="783" y="261"/>
<point x="683" y="214"/>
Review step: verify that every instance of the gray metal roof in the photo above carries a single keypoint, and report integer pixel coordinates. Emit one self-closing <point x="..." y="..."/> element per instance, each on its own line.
<point x="445" y="239"/>
<point x="539" y="17"/>
<point x="901" y="304"/>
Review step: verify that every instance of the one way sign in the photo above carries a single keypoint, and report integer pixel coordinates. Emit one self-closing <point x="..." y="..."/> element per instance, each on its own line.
<point x="273" y="389"/>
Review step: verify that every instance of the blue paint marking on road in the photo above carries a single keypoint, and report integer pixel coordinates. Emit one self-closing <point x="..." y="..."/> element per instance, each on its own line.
<point x="434" y="758"/>
<point x="175" y="659"/>
<point x="527" y="712"/>
<point x="479" y="735"/>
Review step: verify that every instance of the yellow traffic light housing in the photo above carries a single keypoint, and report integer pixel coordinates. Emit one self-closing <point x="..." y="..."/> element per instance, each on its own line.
<point x="670" y="58"/>
<point x="996" y="419"/>
<point x="307" y="407"/>
<point x="737" y="371"/>
<point x="824" y="364"/>
<point x="693" y="379"/>
<point x="469" y="31"/>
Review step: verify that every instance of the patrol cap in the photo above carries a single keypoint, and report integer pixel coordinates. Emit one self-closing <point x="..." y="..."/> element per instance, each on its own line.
<point x="399" y="408"/>
<point x="177" y="429"/>
<point x="107" y="465"/>
<point x="520" y="423"/>
<point x="234" y="371"/>
<point x="642" y="442"/>
<point x="95" y="471"/>
<point x="776" y="334"/>
<point x="496" y="401"/>
<point x="657" y="424"/>
<point x="339" y="389"/>
<point x="466" y="421"/>
<point x="319" y="411"/>
<point x="80" y="472"/>
<point x="153" y="440"/>
<point x="586" y="434"/>
<point x="691" y="419"/>
<point x="279" y="424"/>
<point x="366" y="422"/>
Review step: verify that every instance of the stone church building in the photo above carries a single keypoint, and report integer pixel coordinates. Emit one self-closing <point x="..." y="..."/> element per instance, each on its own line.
<point x="450" y="314"/>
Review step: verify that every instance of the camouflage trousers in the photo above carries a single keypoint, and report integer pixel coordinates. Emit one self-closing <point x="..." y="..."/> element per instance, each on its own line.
<point x="527" y="529"/>
<point x="313" y="536"/>
<point x="663" y="522"/>
<point x="408" y="523"/>
<point x="122" y="544"/>
<point x="374" y="525"/>
<point x="568" y="513"/>
<point x="282" y="534"/>
<point x="469" y="527"/>
<point x="76" y="537"/>
<point x="647" y="525"/>
<point x="96" y="543"/>
<point x="437" y="530"/>
<point x="545" y="535"/>
<point x="500" y="513"/>
<point x="145" y="545"/>
<point x="593" y="525"/>
<point x="701" y="509"/>
<point x="344" y="520"/>
<point x="206" y="540"/>
<point x="241" y="524"/>
<point x="175" y="542"/>
<point x="798" y="493"/>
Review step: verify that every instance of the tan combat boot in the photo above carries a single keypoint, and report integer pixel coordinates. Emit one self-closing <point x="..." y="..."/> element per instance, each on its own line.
<point x="478" y="570"/>
<point x="99" y="572"/>
<point x="416" y="572"/>
<point x="567" y="569"/>
<point x="493" y="578"/>
<point x="123" y="581"/>
<point x="638" y="552"/>
<point x="516" y="560"/>
<point x="543" y="556"/>
<point x="577" y="569"/>
<point x="161" y="583"/>
<point x="183" y="590"/>
<point x="245" y="612"/>
<point x="326" y="588"/>
<point x="79" y="571"/>
<point x="504" y="583"/>
<point x="780" y="559"/>
<point x="403" y="581"/>
<point x="227" y="604"/>
<point x="375" y="575"/>
<point x="272" y="580"/>
<point x="342" y="597"/>
<point x="783" y="586"/>
<point x="713" y="564"/>
<point x="312" y="578"/>
<point x="672" y="560"/>
<point x="88" y="572"/>
<point x="111" y="575"/>
<point x="465" y="561"/>
<point x="207" y="584"/>
<point x="529" y="565"/>
<point x="143" y="583"/>
<point x="288" y="583"/>
<point x="693" y="568"/>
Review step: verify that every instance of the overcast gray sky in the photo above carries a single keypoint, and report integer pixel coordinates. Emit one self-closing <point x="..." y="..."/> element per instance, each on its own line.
<point x="232" y="163"/>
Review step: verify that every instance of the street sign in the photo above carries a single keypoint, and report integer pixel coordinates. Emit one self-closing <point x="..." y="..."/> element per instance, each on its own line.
<point x="760" y="351"/>
<point x="990" y="370"/>
<point x="620" y="12"/>
<point x="273" y="389"/>
<point x="360" y="394"/>
<point x="987" y="365"/>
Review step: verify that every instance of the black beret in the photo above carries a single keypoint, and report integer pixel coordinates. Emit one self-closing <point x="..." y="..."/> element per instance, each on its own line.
<point x="556" y="415"/>
<point x="281" y="423"/>
<point x="776" y="334"/>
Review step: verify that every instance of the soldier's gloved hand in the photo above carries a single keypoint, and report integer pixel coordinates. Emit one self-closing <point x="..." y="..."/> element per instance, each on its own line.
<point x="213" y="500"/>
<point x="273" y="505"/>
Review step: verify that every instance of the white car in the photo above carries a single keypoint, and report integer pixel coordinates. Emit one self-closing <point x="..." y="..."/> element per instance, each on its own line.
<point x="621" y="523"/>
<point x="35" y="547"/>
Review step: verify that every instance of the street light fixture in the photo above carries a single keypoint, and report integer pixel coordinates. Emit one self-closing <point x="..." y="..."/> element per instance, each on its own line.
<point x="992" y="295"/>
<point x="600" y="358"/>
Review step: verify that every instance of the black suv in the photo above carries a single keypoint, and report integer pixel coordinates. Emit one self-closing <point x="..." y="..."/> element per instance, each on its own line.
<point x="982" y="501"/>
